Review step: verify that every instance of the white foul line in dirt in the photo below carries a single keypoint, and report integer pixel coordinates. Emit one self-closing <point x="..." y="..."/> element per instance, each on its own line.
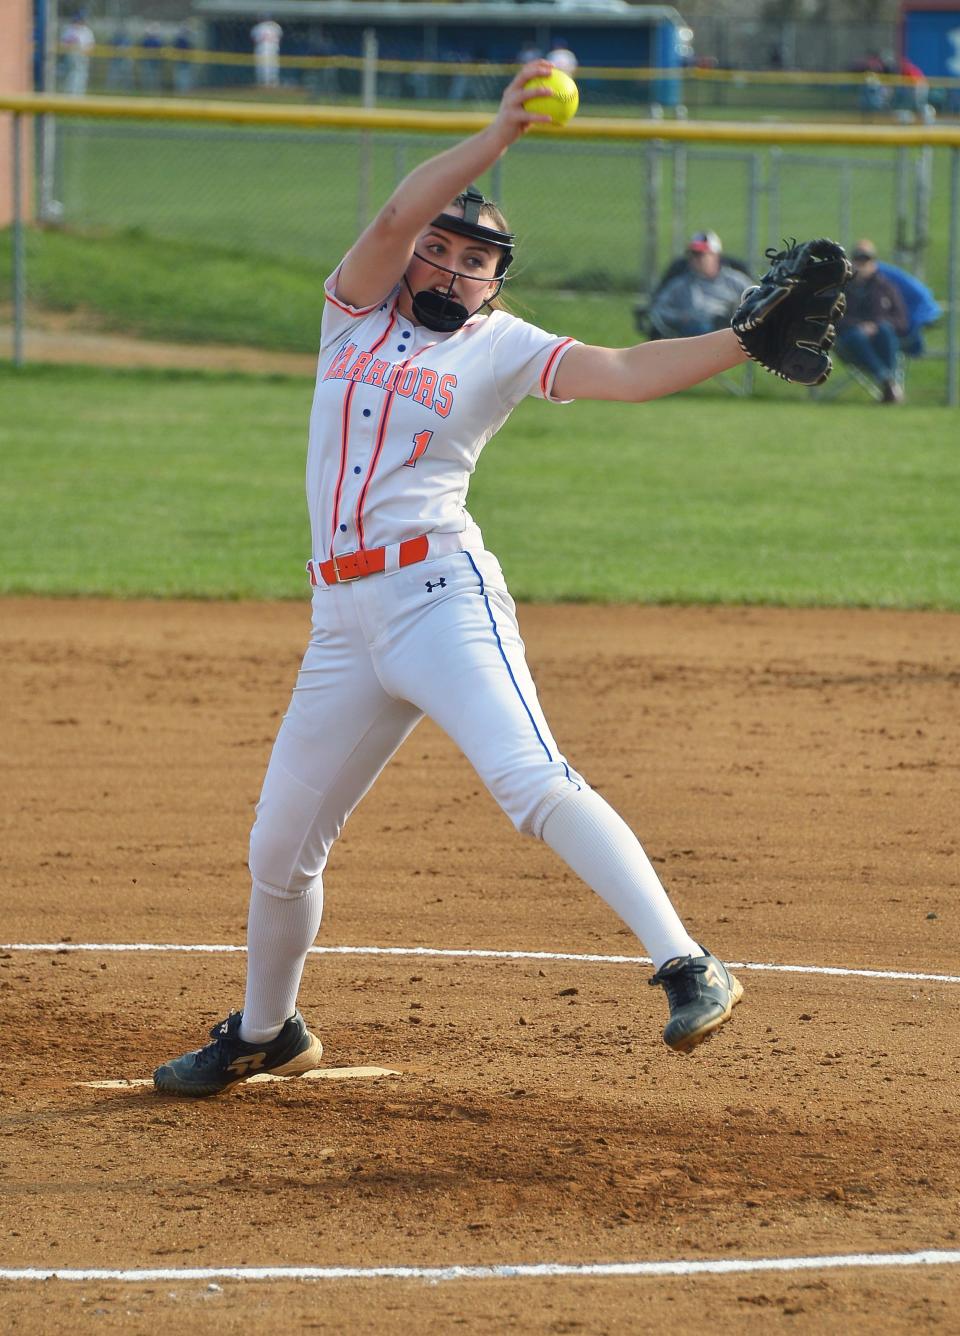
<point x="261" y="1078"/>
<point x="481" y="954"/>
<point x="501" y="1271"/>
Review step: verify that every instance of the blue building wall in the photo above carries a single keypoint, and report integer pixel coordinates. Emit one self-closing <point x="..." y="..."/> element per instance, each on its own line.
<point x="931" y="39"/>
<point x="641" y="45"/>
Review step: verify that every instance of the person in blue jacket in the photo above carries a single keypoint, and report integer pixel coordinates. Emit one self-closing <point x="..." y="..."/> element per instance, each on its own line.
<point x="921" y="305"/>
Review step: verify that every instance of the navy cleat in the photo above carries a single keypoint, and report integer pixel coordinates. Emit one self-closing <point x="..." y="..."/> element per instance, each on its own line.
<point x="229" y="1059"/>
<point x="702" y="993"/>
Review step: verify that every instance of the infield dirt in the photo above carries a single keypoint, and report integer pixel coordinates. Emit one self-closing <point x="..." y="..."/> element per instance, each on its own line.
<point x="793" y="775"/>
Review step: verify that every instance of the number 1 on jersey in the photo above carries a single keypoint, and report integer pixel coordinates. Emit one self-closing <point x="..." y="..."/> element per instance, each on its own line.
<point x="420" y="443"/>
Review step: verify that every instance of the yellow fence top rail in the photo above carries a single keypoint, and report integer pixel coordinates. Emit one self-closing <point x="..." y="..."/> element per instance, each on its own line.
<point x="623" y="73"/>
<point x="465" y="122"/>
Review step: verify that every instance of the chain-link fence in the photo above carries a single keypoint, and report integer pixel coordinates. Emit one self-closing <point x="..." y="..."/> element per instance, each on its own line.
<point x="615" y="212"/>
<point x="462" y="81"/>
<point x="200" y="231"/>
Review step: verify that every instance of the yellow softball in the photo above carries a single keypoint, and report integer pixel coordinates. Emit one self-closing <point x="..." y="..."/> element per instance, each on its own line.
<point x="563" y="101"/>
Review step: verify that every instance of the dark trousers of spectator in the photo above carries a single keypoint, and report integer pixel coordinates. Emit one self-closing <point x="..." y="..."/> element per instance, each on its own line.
<point x="876" y="353"/>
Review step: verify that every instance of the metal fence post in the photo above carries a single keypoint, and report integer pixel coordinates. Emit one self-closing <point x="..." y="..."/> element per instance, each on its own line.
<point x="753" y="212"/>
<point x="19" y="262"/>
<point x="756" y="189"/>
<point x="901" y="239"/>
<point x="679" y="187"/>
<point x="846" y="205"/>
<point x="649" y="248"/>
<point x="496" y="182"/>
<point x="953" y="284"/>
<point x="369" y="86"/>
<point x="921" y="227"/>
<point x="369" y="80"/>
<point x="48" y="125"/>
<point x="773" y="196"/>
<point x="399" y="160"/>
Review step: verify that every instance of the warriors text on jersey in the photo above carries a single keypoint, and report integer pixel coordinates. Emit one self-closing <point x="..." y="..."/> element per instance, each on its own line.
<point x="401" y="413"/>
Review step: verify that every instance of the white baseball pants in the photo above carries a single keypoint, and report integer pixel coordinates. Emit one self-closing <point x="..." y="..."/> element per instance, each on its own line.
<point x="439" y="638"/>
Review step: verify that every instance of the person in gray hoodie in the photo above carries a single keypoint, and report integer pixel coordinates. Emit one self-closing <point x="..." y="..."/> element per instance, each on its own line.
<point x="703" y="296"/>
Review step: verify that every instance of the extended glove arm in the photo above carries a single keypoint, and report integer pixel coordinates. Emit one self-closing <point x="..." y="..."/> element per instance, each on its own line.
<point x="645" y="370"/>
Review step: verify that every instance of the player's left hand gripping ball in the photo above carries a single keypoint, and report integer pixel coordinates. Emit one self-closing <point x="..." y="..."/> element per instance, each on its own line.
<point x="788" y="321"/>
<point x="563" y="101"/>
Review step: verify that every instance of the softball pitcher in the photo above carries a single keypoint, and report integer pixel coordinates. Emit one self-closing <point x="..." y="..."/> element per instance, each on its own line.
<point x="411" y="615"/>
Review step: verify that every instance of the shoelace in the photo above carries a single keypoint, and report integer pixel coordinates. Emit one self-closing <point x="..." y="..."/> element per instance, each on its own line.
<point x="680" y="987"/>
<point x="213" y="1052"/>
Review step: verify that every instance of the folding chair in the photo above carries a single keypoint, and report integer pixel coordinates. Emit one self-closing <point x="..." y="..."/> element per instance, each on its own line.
<point x="846" y="374"/>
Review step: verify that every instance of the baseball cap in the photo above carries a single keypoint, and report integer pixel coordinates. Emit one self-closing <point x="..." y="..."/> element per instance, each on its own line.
<point x="705" y="242"/>
<point x="864" y="250"/>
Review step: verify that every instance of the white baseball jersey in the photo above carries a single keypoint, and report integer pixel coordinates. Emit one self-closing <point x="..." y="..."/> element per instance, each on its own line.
<point x="562" y="58"/>
<point x="266" y="37"/>
<point x="78" y="36"/>
<point x="401" y="413"/>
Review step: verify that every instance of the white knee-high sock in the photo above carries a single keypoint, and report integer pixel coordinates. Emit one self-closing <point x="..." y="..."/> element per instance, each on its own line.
<point x="600" y="847"/>
<point x="280" y="931"/>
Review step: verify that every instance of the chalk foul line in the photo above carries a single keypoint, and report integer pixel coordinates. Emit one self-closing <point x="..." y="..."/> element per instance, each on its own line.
<point x="500" y="1271"/>
<point x="262" y="1078"/>
<point x="479" y="954"/>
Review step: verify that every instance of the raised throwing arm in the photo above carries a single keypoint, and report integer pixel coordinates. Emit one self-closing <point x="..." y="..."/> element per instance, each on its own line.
<point x="380" y="256"/>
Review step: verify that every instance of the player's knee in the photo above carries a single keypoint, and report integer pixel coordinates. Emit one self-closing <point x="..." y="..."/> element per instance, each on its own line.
<point x="313" y="886"/>
<point x="529" y="804"/>
<point x="283" y="864"/>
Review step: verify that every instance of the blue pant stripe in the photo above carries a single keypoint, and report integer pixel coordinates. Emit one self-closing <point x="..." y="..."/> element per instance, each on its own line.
<point x="516" y="686"/>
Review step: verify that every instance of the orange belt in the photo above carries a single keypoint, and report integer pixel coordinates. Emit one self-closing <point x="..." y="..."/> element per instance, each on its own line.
<point x="368" y="561"/>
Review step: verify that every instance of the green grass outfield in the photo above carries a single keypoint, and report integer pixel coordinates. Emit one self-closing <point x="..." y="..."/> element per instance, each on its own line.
<point x="134" y="483"/>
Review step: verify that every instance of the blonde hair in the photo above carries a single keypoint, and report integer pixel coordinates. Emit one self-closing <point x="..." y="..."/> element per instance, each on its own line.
<point x="494" y="213"/>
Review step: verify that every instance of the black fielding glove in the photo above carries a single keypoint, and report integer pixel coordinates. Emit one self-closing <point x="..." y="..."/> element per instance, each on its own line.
<point x="788" y="321"/>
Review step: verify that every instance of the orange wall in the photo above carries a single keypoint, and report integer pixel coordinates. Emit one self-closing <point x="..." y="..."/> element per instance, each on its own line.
<point x="16" y="76"/>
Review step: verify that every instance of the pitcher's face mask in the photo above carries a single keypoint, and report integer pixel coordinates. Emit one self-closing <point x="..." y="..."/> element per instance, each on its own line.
<point x="440" y="310"/>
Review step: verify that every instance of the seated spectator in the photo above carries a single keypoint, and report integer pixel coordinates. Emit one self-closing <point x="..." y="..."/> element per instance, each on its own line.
<point x="702" y="296"/>
<point x="876" y="319"/>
